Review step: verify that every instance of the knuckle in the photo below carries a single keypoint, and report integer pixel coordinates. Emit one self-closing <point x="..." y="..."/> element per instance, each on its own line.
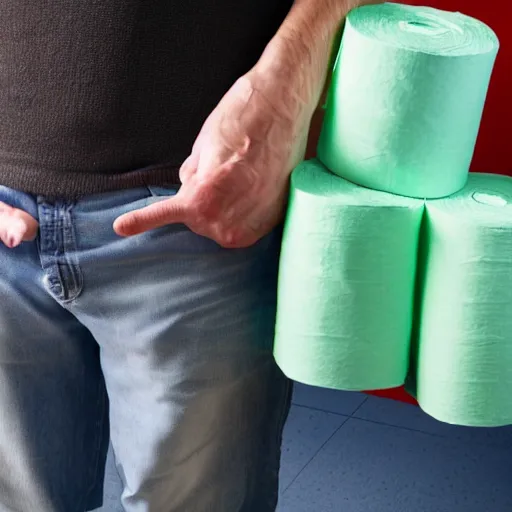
<point x="227" y="168"/>
<point x="234" y="239"/>
<point x="228" y="239"/>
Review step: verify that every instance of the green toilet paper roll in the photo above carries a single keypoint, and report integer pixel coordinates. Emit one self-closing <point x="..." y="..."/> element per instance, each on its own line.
<point x="346" y="283"/>
<point x="406" y="99"/>
<point x="462" y="353"/>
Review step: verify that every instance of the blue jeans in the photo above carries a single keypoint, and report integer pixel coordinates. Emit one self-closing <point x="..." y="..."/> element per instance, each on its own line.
<point x="160" y="343"/>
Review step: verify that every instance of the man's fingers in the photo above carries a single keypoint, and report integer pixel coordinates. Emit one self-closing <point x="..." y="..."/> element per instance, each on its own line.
<point x="12" y="230"/>
<point x="16" y="226"/>
<point x="169" y="211"/>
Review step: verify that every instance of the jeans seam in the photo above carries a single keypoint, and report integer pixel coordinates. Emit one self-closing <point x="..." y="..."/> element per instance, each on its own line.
<point x="95" y="466"/>
<point x="70" y="249"/>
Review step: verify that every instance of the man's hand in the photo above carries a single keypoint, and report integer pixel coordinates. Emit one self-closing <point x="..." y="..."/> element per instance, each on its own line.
<point x="16" y="226"/>
<point x="235" y="182"/>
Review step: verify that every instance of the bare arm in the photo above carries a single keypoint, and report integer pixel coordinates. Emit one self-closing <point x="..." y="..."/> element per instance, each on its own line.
<point x="235" y="181"/>
<point x="304" y="48"/>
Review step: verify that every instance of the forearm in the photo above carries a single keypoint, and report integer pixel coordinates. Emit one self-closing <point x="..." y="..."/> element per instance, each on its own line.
<point x="313" y="25"/>
<point x="301" y="52"/>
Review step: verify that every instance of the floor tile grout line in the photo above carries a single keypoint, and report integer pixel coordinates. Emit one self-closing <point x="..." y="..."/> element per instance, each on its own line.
<point x="316" y="453"/>
<point x="348" y="416"/>
<point x="359" y="406"/>
<point x="376" y="422"/>
<point x="431" y="434"/>
<point x="344" y="415"/>
<point x="410" y="429"/>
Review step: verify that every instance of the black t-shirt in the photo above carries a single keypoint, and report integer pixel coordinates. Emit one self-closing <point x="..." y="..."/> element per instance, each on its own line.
<point x="98" y="95"/>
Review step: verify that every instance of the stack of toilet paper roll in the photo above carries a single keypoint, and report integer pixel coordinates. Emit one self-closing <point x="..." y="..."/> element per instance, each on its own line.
<point x="396" y="262"/>
<point x="461" y="352"/>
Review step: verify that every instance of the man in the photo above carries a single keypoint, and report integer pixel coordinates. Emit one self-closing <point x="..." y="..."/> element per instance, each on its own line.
<point x="100" y="104"/>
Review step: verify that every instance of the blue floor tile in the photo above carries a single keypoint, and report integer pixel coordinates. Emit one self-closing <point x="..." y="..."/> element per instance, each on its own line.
<point x="390" y="457"/>
<point x="305" y="433"/>
<point x="369" y="467"/>
<point x="339" y="402"/>
<point x="409" y="416"/>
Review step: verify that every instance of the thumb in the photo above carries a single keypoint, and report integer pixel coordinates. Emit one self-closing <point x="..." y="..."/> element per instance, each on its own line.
<point x="169" y="211"/>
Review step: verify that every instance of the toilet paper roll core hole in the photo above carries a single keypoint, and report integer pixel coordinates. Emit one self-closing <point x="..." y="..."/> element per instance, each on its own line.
<point x="425" y="26"/>
<point x="429" y="24"/>
<point x="421" y="24"/>
<point x="489" y="199"/>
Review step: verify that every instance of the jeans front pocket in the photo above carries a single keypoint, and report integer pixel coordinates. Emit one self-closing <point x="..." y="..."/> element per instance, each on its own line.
<point x="162" y="191"/>
<point x="20" y="200"/>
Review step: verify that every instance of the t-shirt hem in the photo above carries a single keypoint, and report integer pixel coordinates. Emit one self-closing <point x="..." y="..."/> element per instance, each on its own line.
<point x="73" y="185"/>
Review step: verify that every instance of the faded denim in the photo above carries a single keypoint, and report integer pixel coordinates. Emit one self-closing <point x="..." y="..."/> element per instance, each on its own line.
<point x="160" y="342"/>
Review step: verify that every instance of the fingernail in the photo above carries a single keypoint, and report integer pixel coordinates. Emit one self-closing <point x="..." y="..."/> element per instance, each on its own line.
<point x="13" y="239"/>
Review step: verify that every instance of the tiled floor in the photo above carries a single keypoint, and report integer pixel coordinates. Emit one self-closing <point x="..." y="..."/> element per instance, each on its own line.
<point x="348" y="452"/>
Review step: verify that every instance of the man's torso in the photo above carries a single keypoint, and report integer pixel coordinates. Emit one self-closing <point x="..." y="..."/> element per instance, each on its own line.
<point x="108" y="94"/>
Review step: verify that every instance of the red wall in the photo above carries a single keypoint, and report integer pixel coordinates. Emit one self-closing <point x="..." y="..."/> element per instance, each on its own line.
<point x="495" y="137"/>
<point x="494" y="141"/>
